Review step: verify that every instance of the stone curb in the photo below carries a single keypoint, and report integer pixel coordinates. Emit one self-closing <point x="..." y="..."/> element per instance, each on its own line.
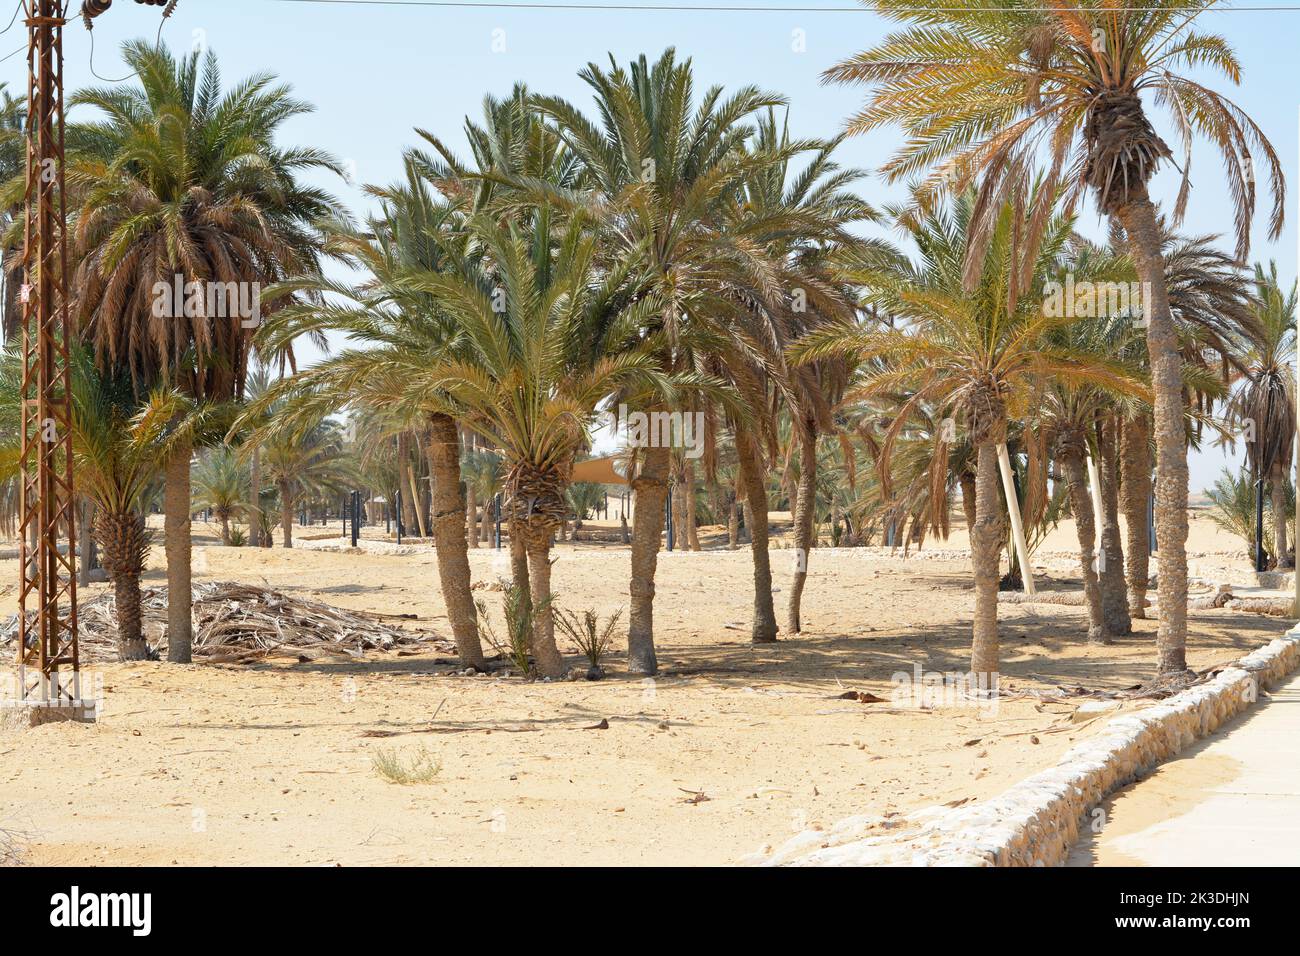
<point x="1035" y="822"/>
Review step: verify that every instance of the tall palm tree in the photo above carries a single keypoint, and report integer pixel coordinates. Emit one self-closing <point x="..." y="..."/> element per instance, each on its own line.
<point x="547" y="338"/>
<point x="394" y="328"/>
<point x="978" y="358"/>
<point x="982" y="91"/>
<point x="811" y="207"/>
<point x="1071" y="416"/>
<point x="1264" y="407"/>
<point x="664" y="172"/>
<point x="182" y="185"/>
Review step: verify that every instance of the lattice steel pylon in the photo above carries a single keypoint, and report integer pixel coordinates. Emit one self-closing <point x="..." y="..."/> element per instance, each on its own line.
<point x="48" y="663"/>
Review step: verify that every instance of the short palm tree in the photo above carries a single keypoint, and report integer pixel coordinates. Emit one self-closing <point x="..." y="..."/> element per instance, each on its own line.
<point x="394" y="329"/>
<point x="220" y="482"/>
<point x="303" y="465"/>
<point x="1069" y="419"/>
<point x="982" y="92"/>
<point x="482" y="471"/>
<point x="120" y="446"/>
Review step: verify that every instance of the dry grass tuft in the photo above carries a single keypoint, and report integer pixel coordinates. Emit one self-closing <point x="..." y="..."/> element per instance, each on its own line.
<point x="421" y="767"/>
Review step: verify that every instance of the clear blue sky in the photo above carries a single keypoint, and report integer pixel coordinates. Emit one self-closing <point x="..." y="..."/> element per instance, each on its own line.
<point x="374" y="72"/>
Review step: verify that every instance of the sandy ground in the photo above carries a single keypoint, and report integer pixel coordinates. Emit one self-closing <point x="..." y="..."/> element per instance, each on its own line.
<point x="732" y="748"/>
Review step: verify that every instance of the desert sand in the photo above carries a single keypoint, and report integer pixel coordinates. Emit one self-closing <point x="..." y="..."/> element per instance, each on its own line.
<point x="730" y="749"/>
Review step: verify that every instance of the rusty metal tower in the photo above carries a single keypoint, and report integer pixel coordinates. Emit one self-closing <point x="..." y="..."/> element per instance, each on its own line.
<point x="48" y="665"/>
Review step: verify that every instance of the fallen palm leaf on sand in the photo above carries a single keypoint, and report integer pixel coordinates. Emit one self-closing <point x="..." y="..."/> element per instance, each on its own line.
<point x="242" y="622"/>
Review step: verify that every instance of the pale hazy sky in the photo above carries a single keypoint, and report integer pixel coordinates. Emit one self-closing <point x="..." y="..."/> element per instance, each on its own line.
<point x="375" y="71"/>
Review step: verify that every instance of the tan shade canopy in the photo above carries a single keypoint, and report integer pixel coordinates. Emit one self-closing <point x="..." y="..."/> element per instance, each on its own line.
<point x="600" y="471"/>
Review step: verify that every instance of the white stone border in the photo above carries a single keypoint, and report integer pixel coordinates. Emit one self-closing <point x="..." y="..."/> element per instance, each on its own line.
<point x="1035" y="822"/>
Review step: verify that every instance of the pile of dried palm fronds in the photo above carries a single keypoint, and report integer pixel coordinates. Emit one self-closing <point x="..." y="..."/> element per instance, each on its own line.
<point x="236" y="622"/>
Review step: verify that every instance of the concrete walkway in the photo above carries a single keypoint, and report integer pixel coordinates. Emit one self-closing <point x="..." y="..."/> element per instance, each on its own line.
<point x="1232" y="799"/>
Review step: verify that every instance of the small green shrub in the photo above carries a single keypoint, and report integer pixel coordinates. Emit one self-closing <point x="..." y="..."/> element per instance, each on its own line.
<point x="585" y="631"/>
<point x="421" y="767"/>
<point x="520" y="617"/>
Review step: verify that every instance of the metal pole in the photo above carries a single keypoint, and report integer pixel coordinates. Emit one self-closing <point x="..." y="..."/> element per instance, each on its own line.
<point x="496" y="505"/>
<point x="356" y="515"/>
<point x="397" y="514"/>
<point x="46" y="497"/>
<point x="1017" y="526"/>
<point x="668" y="517"/>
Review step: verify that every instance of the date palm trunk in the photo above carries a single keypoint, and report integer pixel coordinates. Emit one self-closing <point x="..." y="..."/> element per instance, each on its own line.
<point x="518" y="554"/>
<point x="255" y="499"/>
<point x="416" y="500"/>
<point x="751" y="469"/>
<point x="176" y="545"/>
<point x="1138" y="217"/>
<point x="1114" y="591"/>
<point x="988" y="534"/>
<point x="692" y="532"/>
<point x="1081" y="506"/>
<point x="651" y="487"/>
<point x="1278" y="503"/>
<point x="286" y="514"/>
<point x="85" y="542"/>
<point x="1135" y="493"/>
<point x="125" y="542"/>
<point x="805" y="508"/>
<point x="225" y="527"/>
<point x="546" y="655"/>
<point x="451" y="540"/>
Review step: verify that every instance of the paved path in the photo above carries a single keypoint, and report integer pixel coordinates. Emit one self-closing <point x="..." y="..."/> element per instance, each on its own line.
<point x="1232" y="799"/>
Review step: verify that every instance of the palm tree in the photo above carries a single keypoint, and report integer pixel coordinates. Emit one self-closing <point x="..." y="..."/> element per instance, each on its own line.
<point x="220" y="483"/>
<point x="120" y="445"/>
<point x="303" y="465"/>
<point x="583" y="498"/>
<point x="182" y="186"/>
<point x="13" y="161"/>
<point x="977" y="358"/>
<point x="1072" y="418"/>
<point x="981" y="91"/>
<point x="1211" y="302"/>
<point x="532" y="375"/>
<point x="395" y="329"/>
<point x="481" y="469"/>
<point x="664" y="174"/>
<point x="1264" y="407"/>
<point x="817" y="203"/>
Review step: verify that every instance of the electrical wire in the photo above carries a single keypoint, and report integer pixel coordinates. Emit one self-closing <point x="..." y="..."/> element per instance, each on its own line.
<point x="167" y="12"/>
<point x="17" y="10"/>
<point x="92" y="65"/>
<point x="715" y="8"/>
